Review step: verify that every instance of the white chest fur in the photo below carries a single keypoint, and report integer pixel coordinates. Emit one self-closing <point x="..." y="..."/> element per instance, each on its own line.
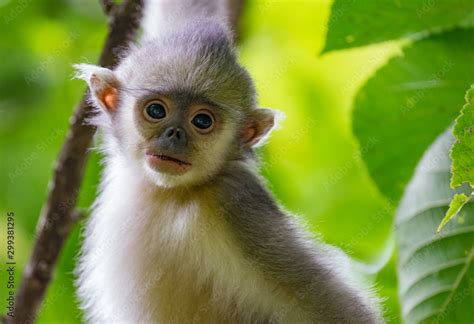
<point x="152" y="257"/>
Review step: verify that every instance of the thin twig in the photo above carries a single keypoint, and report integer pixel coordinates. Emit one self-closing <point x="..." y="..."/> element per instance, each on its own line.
<point x="108" y="6"/>
<point x="234" y="12"/>
<point x="57" y="217"/>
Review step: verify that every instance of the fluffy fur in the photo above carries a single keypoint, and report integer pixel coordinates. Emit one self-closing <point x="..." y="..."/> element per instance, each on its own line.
<point x="210" y="245"/>
<point x="209" y="256"/>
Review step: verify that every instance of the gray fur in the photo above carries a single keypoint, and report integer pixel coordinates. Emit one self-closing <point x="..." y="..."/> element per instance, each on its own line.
<point x="277" y="244"/>
<point x="196" y="59"/>
<point x="162" y="16"/>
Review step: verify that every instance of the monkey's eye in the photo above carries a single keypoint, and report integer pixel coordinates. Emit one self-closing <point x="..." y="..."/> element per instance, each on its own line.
<point x="155" y="110"/>
<point x="202" y="121"/>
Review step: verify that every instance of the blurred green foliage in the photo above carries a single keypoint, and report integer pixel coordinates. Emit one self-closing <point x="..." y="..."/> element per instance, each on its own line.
<point x="312" y="163"/>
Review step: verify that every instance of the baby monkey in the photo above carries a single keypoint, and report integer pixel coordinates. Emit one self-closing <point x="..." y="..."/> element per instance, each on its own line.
<point x="184" y="229"/>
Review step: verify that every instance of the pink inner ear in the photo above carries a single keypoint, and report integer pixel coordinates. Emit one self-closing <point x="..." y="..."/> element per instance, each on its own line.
<point x="258" y="125"/>
<point x="105" y="93"/>
<point x="249" y="135"/>
<point x="109" y="98"/>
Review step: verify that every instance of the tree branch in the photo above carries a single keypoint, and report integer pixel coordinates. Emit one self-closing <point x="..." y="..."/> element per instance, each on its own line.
<point x="108" y="6"/>
<point x="234" y="12"/>
<point x="57" y="217"/>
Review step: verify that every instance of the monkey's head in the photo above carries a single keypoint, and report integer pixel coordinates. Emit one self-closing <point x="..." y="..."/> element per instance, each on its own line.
<point x="179" y="107"/>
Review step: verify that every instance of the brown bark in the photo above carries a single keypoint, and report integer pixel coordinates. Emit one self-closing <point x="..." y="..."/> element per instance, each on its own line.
<point x="234" y="12"/>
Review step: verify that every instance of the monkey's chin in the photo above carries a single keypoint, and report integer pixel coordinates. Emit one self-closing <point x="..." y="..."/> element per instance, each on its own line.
<point x="167" y="179"/>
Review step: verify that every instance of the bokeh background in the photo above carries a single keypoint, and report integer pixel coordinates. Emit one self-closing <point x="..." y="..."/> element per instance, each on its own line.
<point x="312" y="162"/>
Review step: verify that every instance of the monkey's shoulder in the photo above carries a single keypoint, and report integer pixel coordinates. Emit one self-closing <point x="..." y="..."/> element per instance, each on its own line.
<point x="242" y="189"/>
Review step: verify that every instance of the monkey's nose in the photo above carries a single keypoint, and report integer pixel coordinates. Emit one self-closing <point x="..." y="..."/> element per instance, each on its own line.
<point x="175" y="132"/>
<point x="174" y="136"/>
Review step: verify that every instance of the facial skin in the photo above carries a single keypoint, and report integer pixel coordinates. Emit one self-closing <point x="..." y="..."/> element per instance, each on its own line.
<point x="183" y="140"/>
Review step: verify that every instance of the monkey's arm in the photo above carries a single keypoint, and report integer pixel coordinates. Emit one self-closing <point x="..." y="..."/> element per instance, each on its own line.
<point x="316" y="274"/>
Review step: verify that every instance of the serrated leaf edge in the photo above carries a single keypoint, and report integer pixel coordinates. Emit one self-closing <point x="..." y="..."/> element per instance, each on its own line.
<point x="469" y="94"/>
<point x="453" y="209"/>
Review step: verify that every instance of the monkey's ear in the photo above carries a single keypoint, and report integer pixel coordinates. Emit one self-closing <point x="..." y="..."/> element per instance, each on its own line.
<point x="259" y="124"/>
<point x="102" y="83"/>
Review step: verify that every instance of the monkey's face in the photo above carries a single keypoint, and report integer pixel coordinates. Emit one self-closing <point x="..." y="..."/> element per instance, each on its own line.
<point x="180" y="140"/>
<point x="179" y="116"/>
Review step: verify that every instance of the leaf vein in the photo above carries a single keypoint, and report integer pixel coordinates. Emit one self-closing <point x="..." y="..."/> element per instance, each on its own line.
<point x="441" y="267"/>
<point x="435" y="239"/>
<point x="421" y="300"/>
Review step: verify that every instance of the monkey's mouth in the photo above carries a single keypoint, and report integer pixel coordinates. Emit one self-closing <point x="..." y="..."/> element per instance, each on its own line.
<point x="167" y="163"/>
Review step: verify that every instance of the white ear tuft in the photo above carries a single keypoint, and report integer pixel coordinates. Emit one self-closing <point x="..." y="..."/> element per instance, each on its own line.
<point x="278" y="118"/>
<point x="86" y="71"/>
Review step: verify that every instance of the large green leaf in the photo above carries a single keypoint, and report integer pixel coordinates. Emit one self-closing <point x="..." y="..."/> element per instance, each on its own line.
<point x="409" y="102"/>
<point x="360" y="22"/>
<point x="435" y="271"/>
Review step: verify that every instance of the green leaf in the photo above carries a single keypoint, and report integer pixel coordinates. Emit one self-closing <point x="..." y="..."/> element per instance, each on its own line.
<point x="435" y="271"/>
<point x="462" y="152"/>
<point x="408" y="103"/>
<point x="356" y="23"/>
<point x="462" y="156"/>
<point x="459" y="200"/>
